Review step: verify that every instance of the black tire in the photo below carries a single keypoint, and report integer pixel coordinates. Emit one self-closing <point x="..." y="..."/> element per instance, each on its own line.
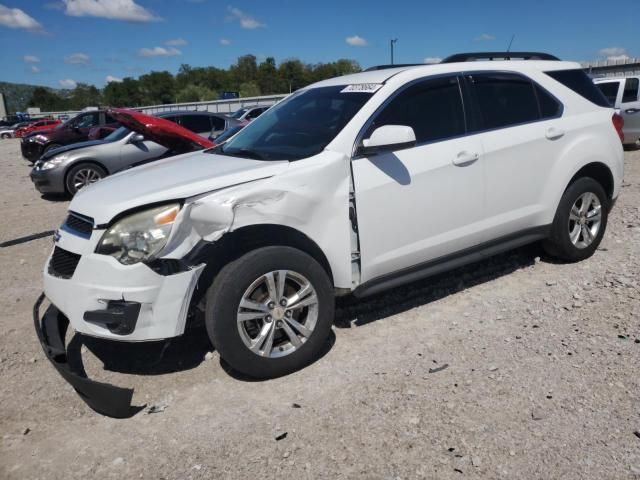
<point x="69" y="182"/>
<point x="51" y="146"/>
<point x="559" y="244"/>
<point x="223" y="301"/>
<point x="5" y="136"/>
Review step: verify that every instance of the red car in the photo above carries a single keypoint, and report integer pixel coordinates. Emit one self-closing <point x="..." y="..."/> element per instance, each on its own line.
<point x="38" y="126"/>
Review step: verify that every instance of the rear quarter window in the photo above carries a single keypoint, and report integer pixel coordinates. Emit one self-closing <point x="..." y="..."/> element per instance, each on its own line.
<point x="579" y="82"/>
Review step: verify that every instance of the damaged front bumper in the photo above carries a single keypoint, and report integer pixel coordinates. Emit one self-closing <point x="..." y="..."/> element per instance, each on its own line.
<point x="105" y="399"/>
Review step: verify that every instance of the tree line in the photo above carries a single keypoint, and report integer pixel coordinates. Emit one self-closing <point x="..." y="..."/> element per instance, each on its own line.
<point x="195" y="84"/>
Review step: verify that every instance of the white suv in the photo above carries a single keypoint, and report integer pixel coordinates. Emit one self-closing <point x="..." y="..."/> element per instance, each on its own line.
<point x="349" y="186"/>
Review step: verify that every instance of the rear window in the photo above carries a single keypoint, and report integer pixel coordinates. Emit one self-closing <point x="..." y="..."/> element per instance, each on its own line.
<point x="579" y="82"/>
<point x="504" y="99"/>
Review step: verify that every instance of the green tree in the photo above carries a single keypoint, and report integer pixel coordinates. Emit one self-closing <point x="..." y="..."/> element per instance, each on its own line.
<point x="195" y="93"/>
<point x="158" y="88"/>
<point x="123" y="94"/>
<point x="47" y="100"/>
<point x="249" y="89"/>
<point x="84" y="96"/>
<point x="267" y="77"/>
<point x="294" y="74"/>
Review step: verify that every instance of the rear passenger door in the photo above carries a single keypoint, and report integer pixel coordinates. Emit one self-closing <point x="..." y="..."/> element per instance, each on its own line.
<point x="521" y="129"/>
<point x="420" y="203"/>
<point x="630" y="109"/>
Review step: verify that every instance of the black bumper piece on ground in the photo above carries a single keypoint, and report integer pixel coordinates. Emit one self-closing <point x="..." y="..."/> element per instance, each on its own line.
<point x="105" y="399"/>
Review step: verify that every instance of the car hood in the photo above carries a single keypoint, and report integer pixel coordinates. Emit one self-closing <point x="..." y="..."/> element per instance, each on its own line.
<point x="68" y="148"/>
<point x="163" y="132"/>
<point x="169" y="179"/>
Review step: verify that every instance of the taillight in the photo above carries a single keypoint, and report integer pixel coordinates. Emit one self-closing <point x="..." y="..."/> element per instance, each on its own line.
<point x="618" y="124"/>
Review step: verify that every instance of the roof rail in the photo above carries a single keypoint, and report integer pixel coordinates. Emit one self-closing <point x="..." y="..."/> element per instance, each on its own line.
<point x="397" y="65"/>
<point x="470" y="57"/>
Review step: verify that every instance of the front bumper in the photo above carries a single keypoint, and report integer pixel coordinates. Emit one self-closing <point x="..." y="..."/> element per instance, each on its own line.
<point x="105" y="399"/>
<point x="99" y="282"/>
<point x="30" y="150"/>
<point x="47" y="181"/>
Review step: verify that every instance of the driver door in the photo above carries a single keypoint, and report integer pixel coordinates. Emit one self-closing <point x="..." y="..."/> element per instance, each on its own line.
<point x="419" y="204"/>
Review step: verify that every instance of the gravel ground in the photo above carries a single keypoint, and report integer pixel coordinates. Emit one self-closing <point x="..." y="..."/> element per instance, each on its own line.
<point x="517" y="366"/>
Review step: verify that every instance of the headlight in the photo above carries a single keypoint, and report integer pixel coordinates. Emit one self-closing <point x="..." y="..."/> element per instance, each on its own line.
<point x="52" y="162"/>
<point x="39" y="139"/>
<point x="140" y="236"/>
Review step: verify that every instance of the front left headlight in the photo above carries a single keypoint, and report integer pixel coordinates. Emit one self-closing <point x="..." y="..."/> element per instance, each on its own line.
<point x="140" y="236"/>
<point x="52" y="162"/>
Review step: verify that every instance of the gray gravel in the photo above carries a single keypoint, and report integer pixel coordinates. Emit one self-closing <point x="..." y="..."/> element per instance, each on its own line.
<point x="541" y="378"/>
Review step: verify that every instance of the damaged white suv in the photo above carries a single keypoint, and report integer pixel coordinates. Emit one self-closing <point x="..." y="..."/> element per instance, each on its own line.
<point x="352" y="185"/>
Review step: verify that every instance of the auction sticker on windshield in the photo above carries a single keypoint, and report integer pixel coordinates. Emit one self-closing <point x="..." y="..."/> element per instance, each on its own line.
<point x="362" y="88"/>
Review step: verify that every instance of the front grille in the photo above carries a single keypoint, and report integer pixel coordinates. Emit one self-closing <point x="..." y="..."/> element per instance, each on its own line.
<point x="79" y="224"/>
<point x="63" y="263"/>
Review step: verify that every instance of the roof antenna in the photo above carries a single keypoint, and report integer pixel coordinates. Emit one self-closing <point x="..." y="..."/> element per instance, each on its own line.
<point x="511" y="42"/>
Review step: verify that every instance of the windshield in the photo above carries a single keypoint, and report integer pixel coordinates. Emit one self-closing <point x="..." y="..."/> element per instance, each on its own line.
<point x="238" y="113"/>
<point x="117" y="134"/>
<point x="298" y="127"/>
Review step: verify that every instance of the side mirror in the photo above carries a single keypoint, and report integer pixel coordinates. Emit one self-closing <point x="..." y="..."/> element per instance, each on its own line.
<point x="136" y="138"/>
<point x="388" y="138"/>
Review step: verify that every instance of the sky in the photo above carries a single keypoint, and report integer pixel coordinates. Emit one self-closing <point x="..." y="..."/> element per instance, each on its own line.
<point x="59" y="43"/>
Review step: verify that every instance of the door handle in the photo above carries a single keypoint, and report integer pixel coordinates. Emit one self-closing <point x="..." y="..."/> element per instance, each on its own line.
<point x="632" y="110"/>
<point x="554" y="133"/>
<point x="465" y="158"/>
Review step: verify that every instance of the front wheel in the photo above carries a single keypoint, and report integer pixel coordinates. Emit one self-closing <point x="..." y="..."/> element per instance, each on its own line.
<point x="580" y="221"/>
<point x="6" y="135"/>
<point x="269" y="313"/>
<point x="83" y="175"/>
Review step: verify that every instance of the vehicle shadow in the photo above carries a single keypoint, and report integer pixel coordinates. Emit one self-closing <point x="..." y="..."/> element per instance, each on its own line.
<point x="354" y="312"/>
<point x="188" y="351"/>
<point x="55" y="197"/>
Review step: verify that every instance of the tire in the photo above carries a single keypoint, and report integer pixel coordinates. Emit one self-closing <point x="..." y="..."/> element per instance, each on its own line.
<point x="563" y="243"/>
<point x="237" y="280"/>
<point x="5" y="136"/>
<point x="90" y="172"/>
<point x="50" y="147"/>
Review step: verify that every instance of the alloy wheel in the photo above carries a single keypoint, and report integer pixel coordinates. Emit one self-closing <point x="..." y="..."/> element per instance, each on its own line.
<point x="277" y="313"/>
<point x="84" y="177"/>
<point x="585" y="219"/>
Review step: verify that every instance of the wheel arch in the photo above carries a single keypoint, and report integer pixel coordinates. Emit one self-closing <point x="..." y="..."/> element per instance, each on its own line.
<point x="600" y="172"/>
<point x="83" y="161"/>
<point x="238" y="242"/>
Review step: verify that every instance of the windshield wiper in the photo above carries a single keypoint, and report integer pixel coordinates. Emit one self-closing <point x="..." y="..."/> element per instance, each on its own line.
<point x="247" y="153"/>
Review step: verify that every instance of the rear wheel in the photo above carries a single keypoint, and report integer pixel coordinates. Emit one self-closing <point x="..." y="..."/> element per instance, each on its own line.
<point x="269" y="313"/>
<point x="580" y="221"/>
<point x="82" y="175"/>
<point x="6" y="135"/>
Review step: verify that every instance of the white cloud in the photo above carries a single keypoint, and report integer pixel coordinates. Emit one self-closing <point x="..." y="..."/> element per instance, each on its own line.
<point x="16" y="18"/>
<point x="68" y="83"/>
<point x="614" y="53"/>
<point x="225" y="42"/>
<point x="246" y="21"/>
<point x="432" y="60"/>
<point x="77" y="59"/>
<point x="356" y="41"/>
<point x="111" y="78"/>
<point x="31" y="59"/>
<point x="176" y="42"/>
<point x="485" y="37"/>
<point x="34" y="69"/>
<point x="159" y="52"/>
<point x="126" y="10"/>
